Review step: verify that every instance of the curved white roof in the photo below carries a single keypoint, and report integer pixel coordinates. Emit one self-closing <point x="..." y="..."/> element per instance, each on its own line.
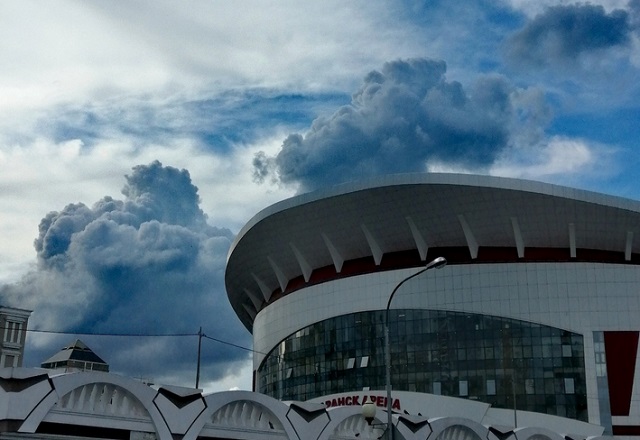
<point x="292" y="239"/>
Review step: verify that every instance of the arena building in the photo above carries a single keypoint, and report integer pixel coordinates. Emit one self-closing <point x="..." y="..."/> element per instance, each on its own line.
<point x="536" y="313"/>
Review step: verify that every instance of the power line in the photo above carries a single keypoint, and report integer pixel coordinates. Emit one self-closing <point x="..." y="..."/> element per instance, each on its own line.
<point x="232" y="344"/>
<point x="154" y="335"/>
<point x="86" y="333"/>
<point x="200" y="334"/>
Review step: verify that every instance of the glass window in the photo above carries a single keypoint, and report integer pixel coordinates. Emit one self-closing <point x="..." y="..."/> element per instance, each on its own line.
<point x="437" y="352"/>
<point x="9" y="360"/>
<point x="569" y="386"/>
<point x="463" y="386"/>
<point x="491" y="387"/>
<point x="529" y="386"/>
<point x="12" y="332"/>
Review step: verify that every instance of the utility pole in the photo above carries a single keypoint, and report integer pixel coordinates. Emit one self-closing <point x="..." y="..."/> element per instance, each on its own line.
<point x="200" y="335"/>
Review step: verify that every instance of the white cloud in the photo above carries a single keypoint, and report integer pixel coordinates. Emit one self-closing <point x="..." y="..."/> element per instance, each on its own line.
<point x="239" y="379"/>
<point x="435" y="166"/>
<point x="564" y="156"/>
<point x="45" y="176"/>
<point x="60" y="51"/>
<point x="558" y="159"/>
<point x="229" y="196"/>
<point x="64" y="51"/>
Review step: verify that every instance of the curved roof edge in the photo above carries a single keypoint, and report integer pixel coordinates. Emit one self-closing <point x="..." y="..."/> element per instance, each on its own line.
<point x="437" y="178"/>
<point x="471" y="218"/>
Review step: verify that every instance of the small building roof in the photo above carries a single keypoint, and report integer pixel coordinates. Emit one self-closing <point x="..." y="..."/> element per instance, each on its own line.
<point x="77" y="351"/>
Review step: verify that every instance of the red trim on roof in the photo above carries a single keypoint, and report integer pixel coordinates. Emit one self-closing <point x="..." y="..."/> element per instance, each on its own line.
<point x="454" y="255"/>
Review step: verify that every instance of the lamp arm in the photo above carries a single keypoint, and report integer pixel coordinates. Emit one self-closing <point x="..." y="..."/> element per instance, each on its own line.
<point x="395" y="289"/>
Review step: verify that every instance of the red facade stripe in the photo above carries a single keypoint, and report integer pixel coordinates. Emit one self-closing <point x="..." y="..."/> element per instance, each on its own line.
<point x="621" y="349"/>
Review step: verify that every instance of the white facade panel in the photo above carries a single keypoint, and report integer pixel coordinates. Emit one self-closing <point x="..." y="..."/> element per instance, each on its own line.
<point x="562" y="295"/>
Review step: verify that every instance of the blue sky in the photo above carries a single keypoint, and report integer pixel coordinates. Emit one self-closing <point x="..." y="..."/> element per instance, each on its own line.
<point x="136" y="138"/>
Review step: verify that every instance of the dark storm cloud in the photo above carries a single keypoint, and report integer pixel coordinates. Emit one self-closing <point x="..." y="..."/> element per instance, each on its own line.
<point x="402" y="117"/>
<point x="147" y="264"/>
<point x="563" y="33"/>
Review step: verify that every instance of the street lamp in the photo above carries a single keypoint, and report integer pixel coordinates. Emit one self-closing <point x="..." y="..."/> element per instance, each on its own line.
<point x="368" y="410"/>
<point x="438" y="263"/>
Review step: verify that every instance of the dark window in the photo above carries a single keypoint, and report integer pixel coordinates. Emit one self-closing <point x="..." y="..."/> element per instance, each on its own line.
<point x="450" y="353"/>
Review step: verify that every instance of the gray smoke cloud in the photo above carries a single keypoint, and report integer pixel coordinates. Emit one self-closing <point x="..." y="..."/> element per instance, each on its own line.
<point x="146" y="264"/>
<point x="402" y="117"/>
<point x="562" y="34"/>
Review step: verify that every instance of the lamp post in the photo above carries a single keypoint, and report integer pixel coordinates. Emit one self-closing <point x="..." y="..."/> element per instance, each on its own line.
<point x="438" y="263"/>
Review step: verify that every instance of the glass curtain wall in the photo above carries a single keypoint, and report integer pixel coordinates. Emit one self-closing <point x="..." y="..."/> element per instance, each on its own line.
<point x="480" y="357"/>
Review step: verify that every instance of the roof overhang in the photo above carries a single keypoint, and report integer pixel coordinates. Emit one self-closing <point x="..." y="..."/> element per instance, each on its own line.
<point x="370" y="219"/>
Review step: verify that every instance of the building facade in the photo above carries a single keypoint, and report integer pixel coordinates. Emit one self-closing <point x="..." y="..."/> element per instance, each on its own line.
<point x="536" y="311"/>
<point x="37" y="404"/>
<point x="13" y="323"/>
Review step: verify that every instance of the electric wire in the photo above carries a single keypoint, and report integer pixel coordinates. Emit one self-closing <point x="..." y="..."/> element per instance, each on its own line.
<point x="144" y="335"/>
<point x="154" y="335"/>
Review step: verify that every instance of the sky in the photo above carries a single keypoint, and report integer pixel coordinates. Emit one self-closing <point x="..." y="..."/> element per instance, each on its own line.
<point x="138" y="137"/>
